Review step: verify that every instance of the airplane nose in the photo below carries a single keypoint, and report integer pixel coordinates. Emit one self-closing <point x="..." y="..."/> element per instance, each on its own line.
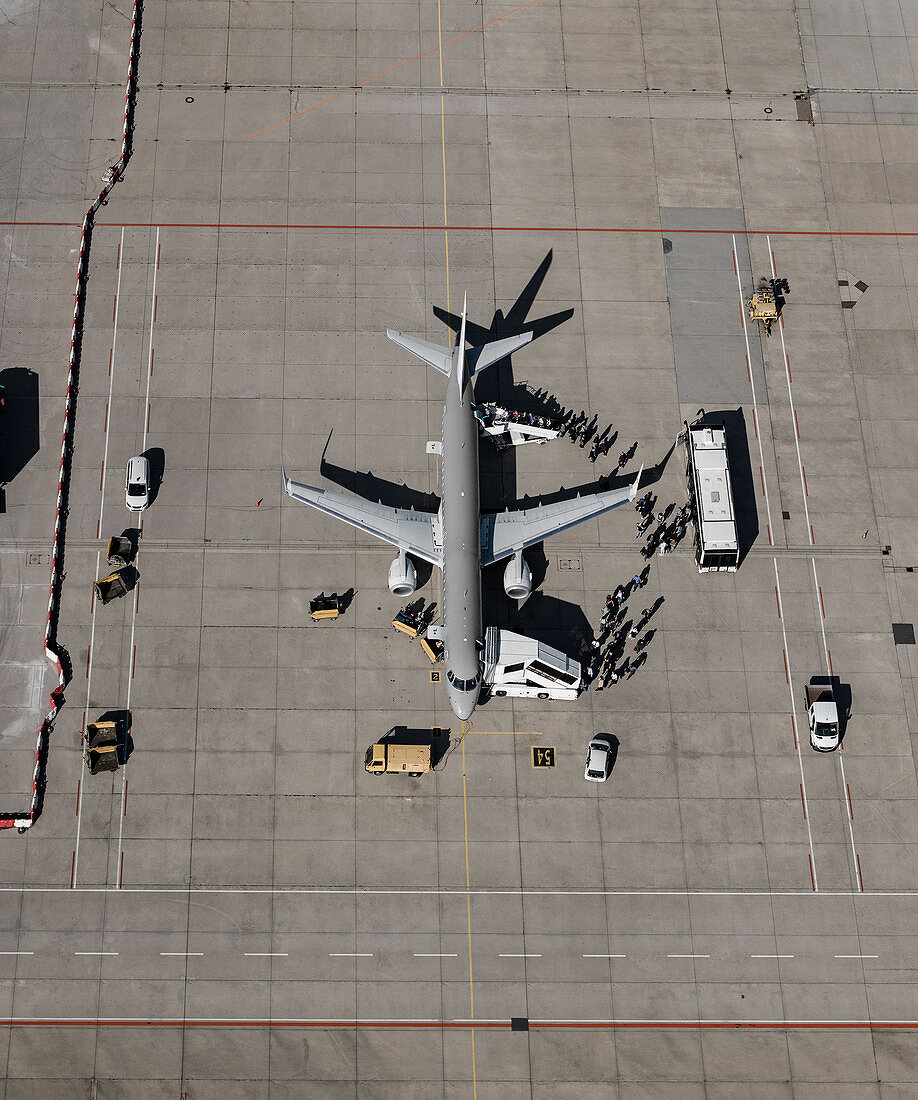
<point x="462" y="704"/>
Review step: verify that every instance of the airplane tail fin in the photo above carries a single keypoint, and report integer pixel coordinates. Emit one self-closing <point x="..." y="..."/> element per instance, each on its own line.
<point x="438" y="357"/>
<point x="488" y="354"/>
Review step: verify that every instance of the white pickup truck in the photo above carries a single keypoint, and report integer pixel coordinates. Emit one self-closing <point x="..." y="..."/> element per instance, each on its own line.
<point x="822" y="714"/>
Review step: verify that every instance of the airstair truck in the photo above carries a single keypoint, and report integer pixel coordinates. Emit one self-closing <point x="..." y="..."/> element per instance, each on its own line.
<point x="523" y="667"/>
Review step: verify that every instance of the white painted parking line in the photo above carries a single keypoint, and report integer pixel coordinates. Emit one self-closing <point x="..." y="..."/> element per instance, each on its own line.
<point x="181" y="954"/>
<point x="520" y="956"/>
<point x="806" y="815"/>
<point x="266" y="954"/>
<point x="17" y="952"/>
<point x="688" y="956"/>
<point x="436" y="955"/>
<point x="350" y="954"/>
<point x="771" y="956"/>
<point x="604" y="956"/>
<point x="95" y="952"/>
<point x="857" y="956"/>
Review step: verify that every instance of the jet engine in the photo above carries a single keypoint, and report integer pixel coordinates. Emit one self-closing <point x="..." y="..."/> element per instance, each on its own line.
<point x="517" y="578"/>
<point x="403" y="577"/>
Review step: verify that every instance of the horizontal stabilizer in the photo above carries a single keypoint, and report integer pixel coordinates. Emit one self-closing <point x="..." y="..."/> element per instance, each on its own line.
<point x="438" y="357"/>
<point x="489" y="354"/>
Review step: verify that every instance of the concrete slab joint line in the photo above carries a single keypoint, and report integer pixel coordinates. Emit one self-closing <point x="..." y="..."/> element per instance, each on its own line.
<point x="53" y="650"/>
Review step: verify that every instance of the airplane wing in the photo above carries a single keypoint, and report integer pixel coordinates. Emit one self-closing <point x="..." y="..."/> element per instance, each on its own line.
<point x="505" y="533"/>
<point x="488" y="354"/>
<point x="404" y="528"/>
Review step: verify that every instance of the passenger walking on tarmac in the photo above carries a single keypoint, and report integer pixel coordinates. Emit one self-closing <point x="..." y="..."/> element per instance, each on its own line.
<point x="634" y="631"/>
<point x="636" y="581"/>
<point x="620" y="595"/>
<point x="622" y="459"/>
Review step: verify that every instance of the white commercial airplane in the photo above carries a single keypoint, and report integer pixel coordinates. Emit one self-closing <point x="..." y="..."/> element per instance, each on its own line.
<point x="457" y="538"/>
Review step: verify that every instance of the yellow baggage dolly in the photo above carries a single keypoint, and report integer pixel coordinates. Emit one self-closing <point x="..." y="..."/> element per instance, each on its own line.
<point x="324" y="607"/>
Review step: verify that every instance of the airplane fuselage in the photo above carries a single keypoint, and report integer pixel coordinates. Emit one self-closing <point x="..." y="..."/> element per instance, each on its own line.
<point x="461" y="531"/>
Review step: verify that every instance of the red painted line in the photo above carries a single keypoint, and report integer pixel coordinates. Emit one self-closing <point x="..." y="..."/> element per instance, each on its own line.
<point x="92" y="598"/>
<point x="121" y="870"/>
<point x="88" y="652"/>
<point x="98" y="526"/>
<point x="793" y="726"/>
<point x="771" y="541"/>
<point x="831" y="671"/>
<point x="133" y="661"/>
<point x="137" y="599"/>
<point x="110" y="353"/>
<point x="652" y="230"/>
<point x="850" y="806"/>
<point x="152" y="353"/>
<point x="860" y="877"/>
<point x="796" y="424"/>
<point x="774" y="266"/>
<point x="124" y="814"/>
<point x="762" y="475"/>
<point x="159" y="249"/>
<point x="733" y="254"/>
<point x="806" y="488"/>
<point x="786" y="674"/>
<point x="809" y="856"/>
<point x="76" y="808"/>
<point x="114" y="308"/>
<point x="755" y="422"/>
<point x="487" y="1025"/>
<point x="787" y="357"/>
<point x="118" y="257"/>
<point x="105" y="425"/>
<point x="777" y="601"/>
<point x="72" y="868"/>
<point x="748" y="371"/>
<point x="149" y="410"/>
<point x="802" y="802"/>
<point x="822" y="603"/>
<point x="155" y="304"/>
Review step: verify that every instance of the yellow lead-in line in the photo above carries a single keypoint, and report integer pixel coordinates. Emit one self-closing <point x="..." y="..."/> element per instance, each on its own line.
<point x="443" y="150"/>
<point x="468" y="902"/>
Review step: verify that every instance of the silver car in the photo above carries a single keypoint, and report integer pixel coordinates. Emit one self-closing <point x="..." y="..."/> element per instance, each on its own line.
<point x="598" y="760"/>
<point x="137" y="484"/>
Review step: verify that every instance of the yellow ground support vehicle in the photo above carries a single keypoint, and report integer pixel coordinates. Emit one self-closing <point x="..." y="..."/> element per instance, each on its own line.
<point x="407" y="751"/>
<point x="111" y="587"/>
<point x="101" y="742"/>
<point x="324" y="607"/>
<point x="762" y="307"/>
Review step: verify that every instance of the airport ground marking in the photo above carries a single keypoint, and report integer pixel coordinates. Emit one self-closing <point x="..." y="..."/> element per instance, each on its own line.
<point x="806" y="818"/>
<point x="755" y="404"/>
<point x="468" y="902"/>
<point x="495" y="1024"/>
<point x="434" y="49"/>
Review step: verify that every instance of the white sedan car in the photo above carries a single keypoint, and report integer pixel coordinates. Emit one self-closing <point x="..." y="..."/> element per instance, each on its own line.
<point x="137" y="484"/>
<point x="598" y="760"/>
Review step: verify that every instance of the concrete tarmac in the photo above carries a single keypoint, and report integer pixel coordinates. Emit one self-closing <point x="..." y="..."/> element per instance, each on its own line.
<point x="241" y="910"/>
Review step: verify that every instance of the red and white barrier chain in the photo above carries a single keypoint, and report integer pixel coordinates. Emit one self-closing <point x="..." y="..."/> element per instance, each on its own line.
<point x="52" y="651"/>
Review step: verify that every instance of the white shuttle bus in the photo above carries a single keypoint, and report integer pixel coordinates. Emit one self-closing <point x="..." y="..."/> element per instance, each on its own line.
<point x="708" y="475"/>
<point x="523" y="667"/>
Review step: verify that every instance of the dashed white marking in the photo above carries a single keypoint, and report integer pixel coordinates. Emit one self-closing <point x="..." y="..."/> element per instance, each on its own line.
<point x="857" y="956"/>
<point x="523" y="955"/>
<point x="771" y="956"/>
<point x="17" y="952"/>
<point x="266" y="954"/>
<point x="604" y="956"/>
<point x="688" y="956"/>
<point x="181" y="954"/>
<point x="350" y="954"/>
<point x="95" y="952"/>
<point x="436" y="955"/>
